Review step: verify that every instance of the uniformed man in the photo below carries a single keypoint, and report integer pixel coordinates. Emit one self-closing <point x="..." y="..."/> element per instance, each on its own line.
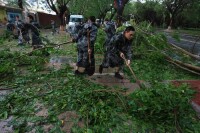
<point x="53" y="26"/>
<point x="10" y="26"/>
<point x="18" y="25"/>
<point x="82" y="39"/>
<point x="119" y="47"/>
<point x="110" y="30"/>
<point x="36" y="40"/>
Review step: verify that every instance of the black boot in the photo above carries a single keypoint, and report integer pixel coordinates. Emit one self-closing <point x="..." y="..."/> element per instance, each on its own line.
<point x="100" y="69"/>
<point x="78" y="73"/>
<point x="117" y="75"/>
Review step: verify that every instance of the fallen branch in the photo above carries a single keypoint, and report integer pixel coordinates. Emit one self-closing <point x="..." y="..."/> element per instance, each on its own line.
<point x="183" y="67"/>
<point x="188" y="66"/>
<point x="57" y="45"/>
<point x="105" y="90"/>
<point x="195" y="68"/>
<point x="186" y="52"/>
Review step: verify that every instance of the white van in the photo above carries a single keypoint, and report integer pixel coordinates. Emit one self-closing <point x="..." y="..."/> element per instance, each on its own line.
<point x="74" y="20"/>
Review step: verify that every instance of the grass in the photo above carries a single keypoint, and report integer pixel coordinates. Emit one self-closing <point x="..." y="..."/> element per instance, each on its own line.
<point x="194" y="32"/>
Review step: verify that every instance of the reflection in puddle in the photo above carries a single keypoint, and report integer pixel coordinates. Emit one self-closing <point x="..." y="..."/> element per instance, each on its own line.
<point x="57" y="62"/>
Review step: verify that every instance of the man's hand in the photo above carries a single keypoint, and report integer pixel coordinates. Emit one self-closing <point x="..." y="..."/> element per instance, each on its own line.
<point x="73" y="40"/>
<point x="89" y="51"/>
<point x="128" y="62"/>
<point x="122" y="55"/>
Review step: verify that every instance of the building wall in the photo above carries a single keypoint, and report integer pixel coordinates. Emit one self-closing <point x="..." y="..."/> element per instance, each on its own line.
<point x="9" y="13"/>
<point x="45" y="19"/>
<point x="2" y="15"/>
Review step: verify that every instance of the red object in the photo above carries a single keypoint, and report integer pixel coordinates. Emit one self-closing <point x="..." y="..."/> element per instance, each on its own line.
<point x="195" y="84"/>
<point x="115" y="4"/>
<point x="45" y="19"/>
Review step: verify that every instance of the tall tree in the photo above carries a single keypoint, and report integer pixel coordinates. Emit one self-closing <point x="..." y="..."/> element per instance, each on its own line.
<point x="103" y="6"/>
<point x="60" y="8"/>
<point x="119" y="6"/>
<point x="174" y="7"/>
<point x="97" y="8"/>
<point x="20" y="4"/>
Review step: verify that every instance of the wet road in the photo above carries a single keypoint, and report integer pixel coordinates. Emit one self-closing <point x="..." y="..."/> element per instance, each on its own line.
<point x="187" y="42"/>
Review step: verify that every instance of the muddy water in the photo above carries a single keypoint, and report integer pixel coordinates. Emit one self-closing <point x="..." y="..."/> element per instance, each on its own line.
<point x="4" y="126"/>
<point x="4" y="123"/>
<point x="57" y="62"/>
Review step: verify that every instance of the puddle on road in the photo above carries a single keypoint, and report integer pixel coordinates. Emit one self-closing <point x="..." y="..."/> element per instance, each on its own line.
<point x="4" y="123"/>
<point x="56" y="62"/>
<point x="5" y="127"/>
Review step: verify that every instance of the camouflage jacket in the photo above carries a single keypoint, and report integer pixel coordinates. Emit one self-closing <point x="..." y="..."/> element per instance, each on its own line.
<point x="109" y="29"/>
<point x="119" y="43"/>
<point x="19" y="24"/>
<point x="82" y="37"/>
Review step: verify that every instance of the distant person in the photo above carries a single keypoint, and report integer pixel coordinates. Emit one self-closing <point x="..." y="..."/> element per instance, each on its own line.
<point x="18" y="26"/>
<point x="53" y="26"/>
<point x="35" y="36"/>
<point x="109" y="28"/>
<point x="119" y="47"/>
<point x="9" y="26"/>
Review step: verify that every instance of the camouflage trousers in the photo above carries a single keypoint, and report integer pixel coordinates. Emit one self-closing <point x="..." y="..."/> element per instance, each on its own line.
<point x="36" y="40"/>
<point x="83" y="57"/>
<point x="112" y="60"/>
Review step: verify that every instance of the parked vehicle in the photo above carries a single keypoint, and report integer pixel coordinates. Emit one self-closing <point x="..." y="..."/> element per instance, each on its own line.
<point x="73" y="21"/>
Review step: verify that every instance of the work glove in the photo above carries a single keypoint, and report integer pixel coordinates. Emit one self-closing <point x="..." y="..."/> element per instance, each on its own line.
<point x="122" y="55"/>
<point x="128" y="62"/>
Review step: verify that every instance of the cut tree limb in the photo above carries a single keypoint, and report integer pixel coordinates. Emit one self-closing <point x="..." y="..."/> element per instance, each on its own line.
<point x="56" y="45"/>
<point x="186" y="52"/>
<point x="183" y="67"/>
<point x="189" y="66"/>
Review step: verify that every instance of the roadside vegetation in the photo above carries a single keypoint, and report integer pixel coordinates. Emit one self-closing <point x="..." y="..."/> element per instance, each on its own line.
<point x="40" y="93"/>
<point x="43" y="98"/>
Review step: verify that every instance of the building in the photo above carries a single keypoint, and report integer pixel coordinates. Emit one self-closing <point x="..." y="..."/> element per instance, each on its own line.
<point x="9" y="13"/>
<point x="43" y="19"/>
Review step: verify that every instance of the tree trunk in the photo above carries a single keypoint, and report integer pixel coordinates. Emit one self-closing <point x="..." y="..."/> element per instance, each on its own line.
<point x="119" y="5"/>
<point x="119" y="16"/>
<point x="170" y="23"/>
<point x="62" y="20"/>
<point x="20" y="4"/>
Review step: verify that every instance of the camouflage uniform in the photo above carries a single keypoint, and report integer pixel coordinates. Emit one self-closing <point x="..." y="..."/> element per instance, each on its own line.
<point x="24" y="29"/>
<point x="117" y="44"/>
<point x="36" y="40"/>
<point x="10" y="26"/>
<point x="53" y="26"/>
<point x="110" y="31"/>
<point x="18" y="25"/>
<point x="82" y="44"/>
<point x="77" y="30"/>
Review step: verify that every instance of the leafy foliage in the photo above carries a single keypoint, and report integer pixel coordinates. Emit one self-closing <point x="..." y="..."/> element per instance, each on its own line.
<point x="99" y="45"/>
<point x="100" y="109"/>
<point x="164" y="108"/>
